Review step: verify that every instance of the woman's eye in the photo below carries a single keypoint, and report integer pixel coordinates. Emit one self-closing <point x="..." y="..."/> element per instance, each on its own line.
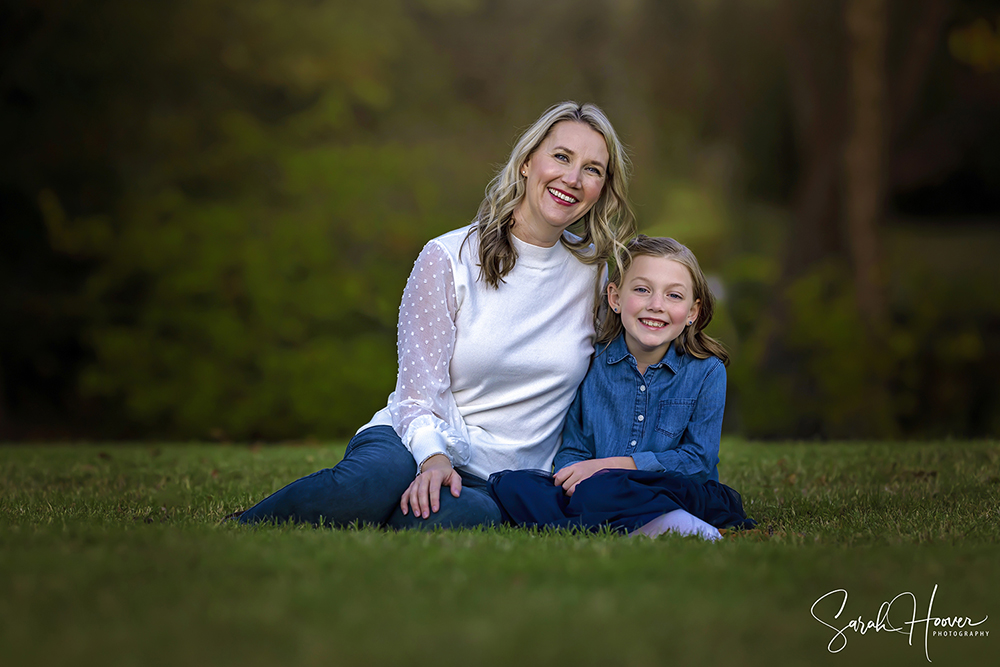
<point x="562" y="157"/>
<point x="594" y="170"/>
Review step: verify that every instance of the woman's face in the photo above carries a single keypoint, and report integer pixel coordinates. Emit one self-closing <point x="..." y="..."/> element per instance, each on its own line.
<point x="564" y="178"/>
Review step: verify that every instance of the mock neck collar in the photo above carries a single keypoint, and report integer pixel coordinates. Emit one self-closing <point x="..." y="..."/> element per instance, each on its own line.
<point x="537" y="256"/>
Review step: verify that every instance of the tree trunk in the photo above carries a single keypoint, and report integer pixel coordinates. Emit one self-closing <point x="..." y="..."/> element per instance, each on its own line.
<point x="864" y="153"/>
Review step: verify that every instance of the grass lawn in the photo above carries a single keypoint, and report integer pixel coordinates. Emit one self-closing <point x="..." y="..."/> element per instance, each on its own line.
<point x="112" y="555"/>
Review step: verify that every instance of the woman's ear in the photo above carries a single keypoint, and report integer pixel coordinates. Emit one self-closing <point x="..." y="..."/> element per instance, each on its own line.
<point x="613" y="297"/>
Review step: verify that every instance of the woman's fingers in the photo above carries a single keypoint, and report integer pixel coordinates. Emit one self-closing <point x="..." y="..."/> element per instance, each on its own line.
<point x="423" y="483"/>
<point x="416" y="496"/>
<point x="410" y="498"/>
<point x="404" y="501"/>
<point x="423" y="496"/>
<point x="456" y="484"/>
<point x="433" y="498"/>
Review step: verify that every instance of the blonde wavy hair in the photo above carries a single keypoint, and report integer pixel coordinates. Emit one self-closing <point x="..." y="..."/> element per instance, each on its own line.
<point x="692" y="340"/>
<point x="606" y="225"/>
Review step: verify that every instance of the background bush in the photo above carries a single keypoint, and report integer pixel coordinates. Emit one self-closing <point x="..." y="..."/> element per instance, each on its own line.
<point x="209" y="208"/>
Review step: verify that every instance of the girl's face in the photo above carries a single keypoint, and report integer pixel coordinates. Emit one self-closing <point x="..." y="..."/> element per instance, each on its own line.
<point x="656" y="301"/>
<point x="564" y="178"/>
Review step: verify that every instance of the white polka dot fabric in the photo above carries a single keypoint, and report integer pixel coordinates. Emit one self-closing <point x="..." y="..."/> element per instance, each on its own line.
<point x="423" y="401"/>
<point x="486" y="375"/>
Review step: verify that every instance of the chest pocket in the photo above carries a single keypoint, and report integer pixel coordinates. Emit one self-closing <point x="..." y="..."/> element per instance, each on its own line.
<point x="673" y="415"/>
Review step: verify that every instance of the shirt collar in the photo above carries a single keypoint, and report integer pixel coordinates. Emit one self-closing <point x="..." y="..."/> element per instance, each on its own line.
<point x="617" y="351"/>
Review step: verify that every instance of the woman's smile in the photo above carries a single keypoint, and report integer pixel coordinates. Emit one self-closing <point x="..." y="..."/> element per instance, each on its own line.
<point x="563" y="197"/>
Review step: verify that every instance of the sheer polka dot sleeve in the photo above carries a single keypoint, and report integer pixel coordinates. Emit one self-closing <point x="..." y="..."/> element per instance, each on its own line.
<point x="423" y="409"/>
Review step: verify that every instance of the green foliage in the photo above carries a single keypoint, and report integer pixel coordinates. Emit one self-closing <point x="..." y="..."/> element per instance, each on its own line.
<point x="927" y="374"/>
<point x="113" y="556"/>
<point x="233" y="193"/>
<point x="248" y="281"/>
<point x="837" y="375"/>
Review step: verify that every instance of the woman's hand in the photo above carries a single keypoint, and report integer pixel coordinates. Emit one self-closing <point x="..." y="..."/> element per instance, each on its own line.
<point x="424" y="493"/>
<point x="575" y="473"/>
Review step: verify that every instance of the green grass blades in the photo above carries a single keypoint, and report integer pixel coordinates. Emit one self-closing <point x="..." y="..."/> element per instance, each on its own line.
<point x="113" y="555"/>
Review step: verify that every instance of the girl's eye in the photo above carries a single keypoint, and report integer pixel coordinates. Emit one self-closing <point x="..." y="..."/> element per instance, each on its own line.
<point x="641" y="290"/>
<point x="675" y="295"/>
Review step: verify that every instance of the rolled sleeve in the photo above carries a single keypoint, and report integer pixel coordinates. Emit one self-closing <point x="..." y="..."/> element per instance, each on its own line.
<point x="647" y="461"/>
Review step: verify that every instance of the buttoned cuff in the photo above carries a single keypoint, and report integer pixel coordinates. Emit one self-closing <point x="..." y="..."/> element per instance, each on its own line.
<point x="425" y="442"/>
<point x="647" y="461"/>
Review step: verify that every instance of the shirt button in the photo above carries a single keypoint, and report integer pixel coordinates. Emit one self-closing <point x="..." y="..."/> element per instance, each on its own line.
<point x="641" y="417"/>
<point x="642" y="388"/>
<point x="632" y="443"/>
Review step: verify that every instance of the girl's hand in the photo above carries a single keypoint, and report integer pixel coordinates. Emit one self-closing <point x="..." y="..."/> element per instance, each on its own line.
<point x="424" y="492"/>
<point x="575" y="473"/>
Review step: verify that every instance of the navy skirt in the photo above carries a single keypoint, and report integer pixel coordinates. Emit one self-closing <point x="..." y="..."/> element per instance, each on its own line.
<point x="622" y="500"/>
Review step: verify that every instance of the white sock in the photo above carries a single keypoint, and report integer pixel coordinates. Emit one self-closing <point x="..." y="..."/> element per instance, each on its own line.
<point x="681" y="522"/>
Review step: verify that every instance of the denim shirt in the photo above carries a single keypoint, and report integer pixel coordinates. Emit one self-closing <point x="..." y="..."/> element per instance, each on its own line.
<point x="669" y="419"/>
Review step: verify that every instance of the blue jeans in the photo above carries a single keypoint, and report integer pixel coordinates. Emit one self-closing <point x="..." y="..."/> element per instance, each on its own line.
<point x="365" y="487"/>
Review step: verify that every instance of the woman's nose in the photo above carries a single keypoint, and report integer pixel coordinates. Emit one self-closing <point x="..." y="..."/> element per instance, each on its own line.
<point x="572" y="176"/>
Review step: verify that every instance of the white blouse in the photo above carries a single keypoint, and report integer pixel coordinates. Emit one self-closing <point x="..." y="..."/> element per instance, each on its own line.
<point x="486" y="375"/>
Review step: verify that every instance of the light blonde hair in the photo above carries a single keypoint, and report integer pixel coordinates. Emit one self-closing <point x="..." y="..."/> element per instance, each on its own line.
<point x="692" y="340"/>
<point x="606" y="225"/>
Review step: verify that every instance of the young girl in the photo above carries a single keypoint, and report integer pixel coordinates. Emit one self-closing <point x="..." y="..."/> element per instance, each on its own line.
<point x="648" y="416"/>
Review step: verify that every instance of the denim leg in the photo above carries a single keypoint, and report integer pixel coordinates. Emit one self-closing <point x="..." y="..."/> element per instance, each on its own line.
<point x="365" y="486"/>
<point x="473" y="507"/>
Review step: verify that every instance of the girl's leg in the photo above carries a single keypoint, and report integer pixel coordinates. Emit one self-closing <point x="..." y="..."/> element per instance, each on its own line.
<point x="364" y="487"/>
<point x="473" y="507"/>
<point x="678" y="521"/>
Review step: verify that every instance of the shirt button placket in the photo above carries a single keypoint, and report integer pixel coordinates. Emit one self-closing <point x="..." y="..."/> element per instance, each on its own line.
<point x="640" y="410"/>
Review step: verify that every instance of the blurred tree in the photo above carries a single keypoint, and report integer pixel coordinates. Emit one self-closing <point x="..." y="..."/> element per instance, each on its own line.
<point x="864" y="154"/>
<point x="59" y="121"/>
<point x="273" y="170"/>
<point x="847" y="123"/>
<point x="247" y="278"/>
<point x="215" y="203"/>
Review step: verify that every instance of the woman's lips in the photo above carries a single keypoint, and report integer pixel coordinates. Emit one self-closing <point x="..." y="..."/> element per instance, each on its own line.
<point x="562" y="197"/>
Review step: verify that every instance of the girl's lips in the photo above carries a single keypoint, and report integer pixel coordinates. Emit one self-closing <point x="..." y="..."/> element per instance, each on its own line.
<point x="651" y="323"/>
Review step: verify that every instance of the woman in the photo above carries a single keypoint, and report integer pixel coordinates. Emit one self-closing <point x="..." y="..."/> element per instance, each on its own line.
<point x="496" y="329"/>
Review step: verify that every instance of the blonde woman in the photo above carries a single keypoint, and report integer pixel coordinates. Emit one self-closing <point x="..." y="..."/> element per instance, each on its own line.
<point x="496" y="329"/>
